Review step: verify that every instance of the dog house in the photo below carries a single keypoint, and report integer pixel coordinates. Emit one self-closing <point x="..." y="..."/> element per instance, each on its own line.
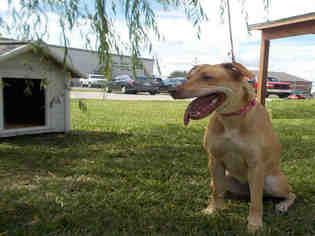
<point x="293" y="26"/>
<point x="34" y="95"/>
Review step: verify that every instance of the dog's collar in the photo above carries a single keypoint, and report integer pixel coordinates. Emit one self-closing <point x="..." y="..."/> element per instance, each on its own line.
<point x="242" y="111"/>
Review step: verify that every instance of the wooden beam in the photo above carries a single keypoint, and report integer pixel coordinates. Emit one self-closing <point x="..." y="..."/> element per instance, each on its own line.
<point x="1" y="105"/>
<point x="289" y="30"/>
<point x="282" y="22"/>
<point x="263" y="70"/>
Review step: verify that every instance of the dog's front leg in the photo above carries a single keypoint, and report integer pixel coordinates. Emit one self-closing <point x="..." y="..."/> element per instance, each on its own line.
<point x="256" y="185"/>
<point x="217" y="175"/>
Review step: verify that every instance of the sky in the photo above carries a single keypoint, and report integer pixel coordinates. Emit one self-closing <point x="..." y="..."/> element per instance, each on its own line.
<point x="181" y="48"/>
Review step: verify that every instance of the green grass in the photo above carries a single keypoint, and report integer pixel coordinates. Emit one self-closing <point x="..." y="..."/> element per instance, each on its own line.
<point x="132" y="168"/>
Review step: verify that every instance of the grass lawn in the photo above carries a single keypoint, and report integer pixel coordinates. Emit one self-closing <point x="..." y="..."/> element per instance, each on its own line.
<point x="132" y="168"/>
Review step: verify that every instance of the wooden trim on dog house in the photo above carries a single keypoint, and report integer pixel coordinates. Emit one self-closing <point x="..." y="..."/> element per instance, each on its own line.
<point x="67" y="103"/>
<point x="289" y="27"/>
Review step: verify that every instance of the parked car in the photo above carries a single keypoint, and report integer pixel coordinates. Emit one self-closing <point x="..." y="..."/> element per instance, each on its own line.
<point x="275" y="87"/>
<point x="171" y="83"/>
<point x="297" y="95"/>
<point x="93" y="80"/>
<point x="127" y="84"/>
<point x="157" y="81"/>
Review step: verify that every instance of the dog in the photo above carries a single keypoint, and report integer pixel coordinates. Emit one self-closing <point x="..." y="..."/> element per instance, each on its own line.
<point x="244" y="152"/>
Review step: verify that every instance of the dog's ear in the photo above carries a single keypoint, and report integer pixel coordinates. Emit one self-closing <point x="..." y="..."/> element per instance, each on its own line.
<point x="238" y="70"/>
<point x="192" y="70"/>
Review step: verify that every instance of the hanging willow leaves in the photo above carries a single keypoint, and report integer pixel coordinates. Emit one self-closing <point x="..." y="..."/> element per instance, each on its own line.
<point x="30" y="20"/>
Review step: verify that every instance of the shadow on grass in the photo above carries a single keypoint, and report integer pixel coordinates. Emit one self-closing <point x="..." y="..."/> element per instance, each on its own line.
<point x="148" y="181"/>
<point x="52" y="152"/>
<point x="61" y="140"/>
<point x="96" y="152"/>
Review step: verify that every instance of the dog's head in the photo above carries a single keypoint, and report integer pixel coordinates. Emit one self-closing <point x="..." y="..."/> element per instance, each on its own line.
<point x="221" y="87"/>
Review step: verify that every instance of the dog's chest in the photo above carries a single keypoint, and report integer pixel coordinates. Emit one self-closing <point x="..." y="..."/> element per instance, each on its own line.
<point x="227" y="142"/>
<point x="233" y="151"/>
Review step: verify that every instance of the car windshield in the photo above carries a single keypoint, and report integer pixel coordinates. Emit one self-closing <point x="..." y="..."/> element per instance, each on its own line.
<point x="180" y="79"/>
<point x="174" y="80"/>
<point x="96" y="76"/>
<point x="142" y="78"/>
<point x="272" y="79"/>
<point x="168" y="81"/>
<point x="123" y="78"/>
<point x="157" y="79"/>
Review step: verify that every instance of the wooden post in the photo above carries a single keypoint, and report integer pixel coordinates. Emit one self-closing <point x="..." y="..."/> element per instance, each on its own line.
<point x="1" y="105"/>
<point x="263" y="70"/>
<point x="230" y="30"/>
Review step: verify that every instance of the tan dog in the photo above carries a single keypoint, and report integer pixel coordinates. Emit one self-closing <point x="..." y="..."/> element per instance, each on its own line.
<point x="244" y="153"/>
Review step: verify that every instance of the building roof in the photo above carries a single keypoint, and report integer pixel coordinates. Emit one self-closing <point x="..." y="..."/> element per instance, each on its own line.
<point x="283" y="76"/>
<point x="283" y="22"/>
<point x="85" y="61"/>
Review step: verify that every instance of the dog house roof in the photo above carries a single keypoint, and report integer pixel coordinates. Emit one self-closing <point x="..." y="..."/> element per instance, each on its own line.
<point x="11" y="48"/>
<point x="84" y="60"/>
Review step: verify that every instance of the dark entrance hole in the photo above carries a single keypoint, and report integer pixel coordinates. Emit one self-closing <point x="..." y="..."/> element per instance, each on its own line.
<point x="24" y="103"/>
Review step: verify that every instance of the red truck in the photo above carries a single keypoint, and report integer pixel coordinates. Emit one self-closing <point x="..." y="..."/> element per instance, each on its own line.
<point x="275" y="87"/>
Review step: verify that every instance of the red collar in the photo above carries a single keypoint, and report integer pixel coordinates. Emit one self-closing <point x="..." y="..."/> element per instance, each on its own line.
<point x="243" y="110"/>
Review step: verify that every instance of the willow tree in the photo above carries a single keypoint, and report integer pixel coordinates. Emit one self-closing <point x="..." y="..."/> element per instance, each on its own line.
<point x="30" y="19"/>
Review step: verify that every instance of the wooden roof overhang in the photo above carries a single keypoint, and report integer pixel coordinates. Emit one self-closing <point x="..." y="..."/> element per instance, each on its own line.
<point x="289" y="27"/>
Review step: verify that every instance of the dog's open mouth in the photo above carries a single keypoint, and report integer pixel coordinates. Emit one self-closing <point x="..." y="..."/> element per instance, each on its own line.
<point x="203" y="106"/>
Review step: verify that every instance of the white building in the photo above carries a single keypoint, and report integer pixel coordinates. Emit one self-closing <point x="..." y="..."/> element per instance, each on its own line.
<point x="87" y="61"/>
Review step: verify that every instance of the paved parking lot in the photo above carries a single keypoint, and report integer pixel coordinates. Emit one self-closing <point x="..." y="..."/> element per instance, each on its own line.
<point x="115" y="96"/>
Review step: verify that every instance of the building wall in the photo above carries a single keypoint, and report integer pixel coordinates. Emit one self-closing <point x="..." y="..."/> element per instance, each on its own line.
<point x="122" y="65"/>
<point x="30" y="65"/>
<point x="87" y="62"/>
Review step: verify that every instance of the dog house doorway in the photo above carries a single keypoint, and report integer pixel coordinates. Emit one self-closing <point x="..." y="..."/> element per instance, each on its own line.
<point x="23" y="103"/>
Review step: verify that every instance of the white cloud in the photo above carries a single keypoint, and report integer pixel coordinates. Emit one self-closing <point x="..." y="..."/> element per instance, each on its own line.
<point x="283" y="8"/>
<point x="14" y="3"/>
<point x="182" y="47"/>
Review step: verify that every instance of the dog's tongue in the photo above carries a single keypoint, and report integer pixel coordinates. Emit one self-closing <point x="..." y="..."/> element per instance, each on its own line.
<point x="201" y="107"/>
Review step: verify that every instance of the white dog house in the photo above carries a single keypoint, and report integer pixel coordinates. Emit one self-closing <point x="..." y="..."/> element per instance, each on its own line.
<point x="34" y="95"/>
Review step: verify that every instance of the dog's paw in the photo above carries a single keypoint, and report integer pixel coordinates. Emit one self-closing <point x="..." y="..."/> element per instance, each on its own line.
<point x="282" y="207"/>
<point x="253" y="228"/>
<point x="209" y="210"/>
<point x="254" y="224"/>
<point x="213" y="208"/>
